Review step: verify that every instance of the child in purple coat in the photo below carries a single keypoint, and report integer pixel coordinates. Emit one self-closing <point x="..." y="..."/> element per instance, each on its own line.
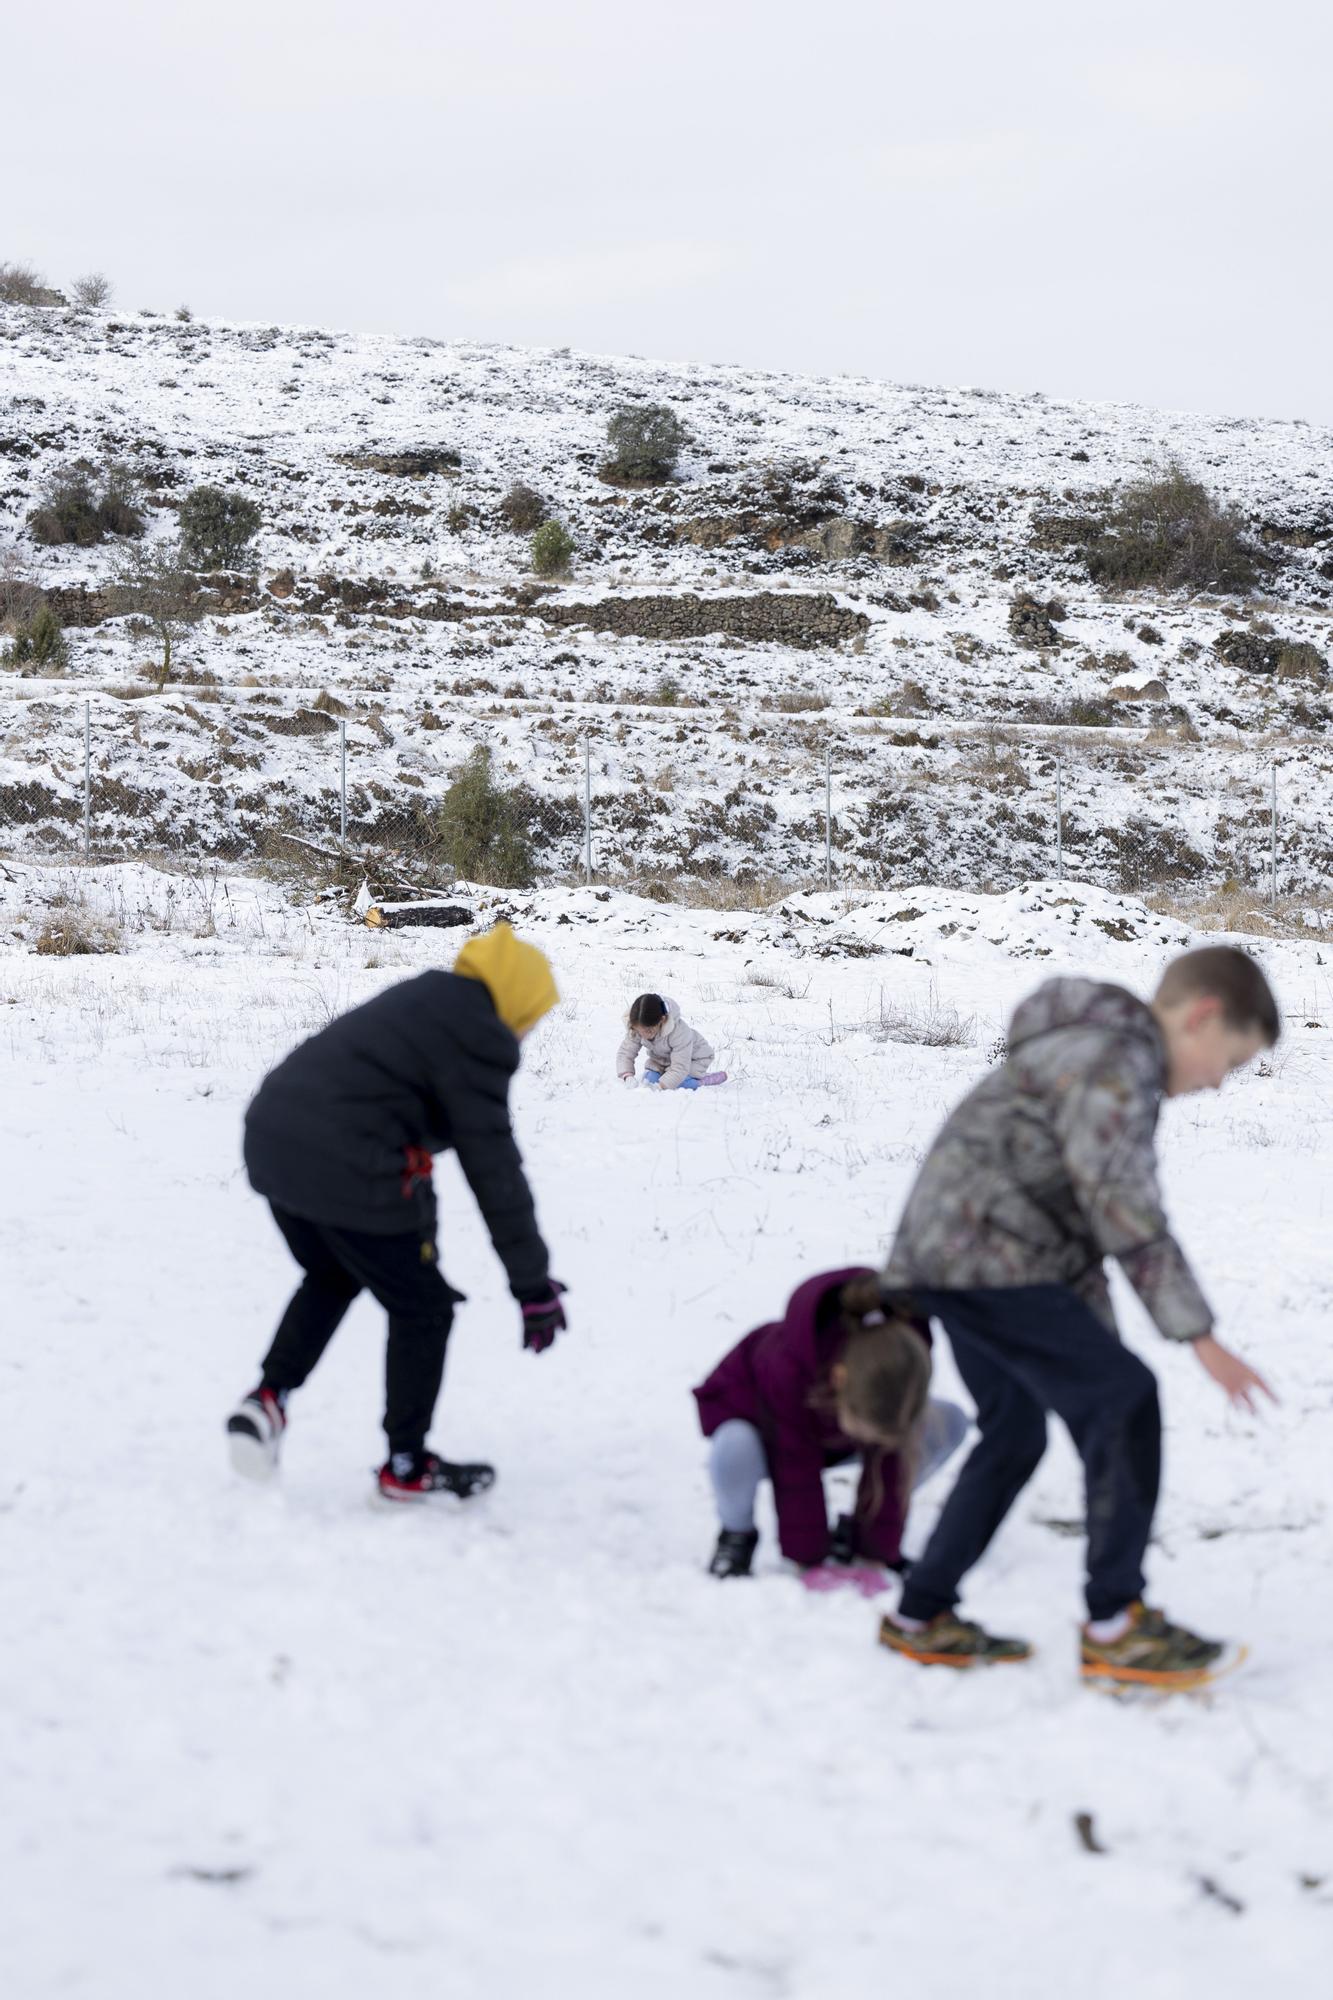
<point x="833" y="1378"/>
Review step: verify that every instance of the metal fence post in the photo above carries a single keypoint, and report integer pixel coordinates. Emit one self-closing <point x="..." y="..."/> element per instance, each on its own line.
<point x="1059" y="823"/>
<point x="587" y="809"/>
<point x="1272" y="835"/>
<point x="828" y="815"/>
<point x="342" y="780"/>
<point x="87" y="781"/>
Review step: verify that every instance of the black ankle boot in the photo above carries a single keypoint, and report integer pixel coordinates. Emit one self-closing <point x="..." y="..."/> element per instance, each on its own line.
<point x="734" y="1552"/>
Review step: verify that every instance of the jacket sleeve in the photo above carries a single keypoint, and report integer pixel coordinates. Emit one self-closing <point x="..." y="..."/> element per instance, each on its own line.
<point x="795" y="1462"/>
<point x="484" y="1142"/>
<point x="1105" y="1121"/>
<point x="627" y="1055"/>
<point x="678" y="1064"/>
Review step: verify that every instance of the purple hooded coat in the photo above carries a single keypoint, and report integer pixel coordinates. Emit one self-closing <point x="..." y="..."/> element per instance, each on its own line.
<point x="767" y="1380"/>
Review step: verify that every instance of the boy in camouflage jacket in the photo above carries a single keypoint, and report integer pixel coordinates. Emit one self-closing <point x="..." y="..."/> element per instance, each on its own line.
<point x="1044" y="1170"/>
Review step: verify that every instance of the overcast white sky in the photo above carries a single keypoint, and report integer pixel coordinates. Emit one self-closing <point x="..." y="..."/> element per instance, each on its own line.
<point x="1120" y="200"/>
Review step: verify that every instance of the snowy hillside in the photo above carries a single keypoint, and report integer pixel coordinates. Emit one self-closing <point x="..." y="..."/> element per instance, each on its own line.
<point x="271" y="1743"/>
<point x="834" y="568"/>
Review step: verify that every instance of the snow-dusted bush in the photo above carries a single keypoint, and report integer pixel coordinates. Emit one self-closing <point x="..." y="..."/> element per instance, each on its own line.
<point x="93" y="290"/>
<point x="645" y="440"/>
<point x="72" y="512"/>
<point x="216" y="527"/>
<point x="552" y="548"/>
<point x="21" y="285"/>
<point x="118" y="510"/>
<point x="522" y="508"/>
<point x="1168" y="530"/>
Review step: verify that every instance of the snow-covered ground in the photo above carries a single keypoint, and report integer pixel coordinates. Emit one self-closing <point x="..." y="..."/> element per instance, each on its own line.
<point x="275" y="1743"/>
<point x="406" y="606"/>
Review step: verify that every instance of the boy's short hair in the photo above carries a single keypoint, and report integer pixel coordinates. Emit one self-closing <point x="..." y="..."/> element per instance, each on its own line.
<point x="1224" y="972"/>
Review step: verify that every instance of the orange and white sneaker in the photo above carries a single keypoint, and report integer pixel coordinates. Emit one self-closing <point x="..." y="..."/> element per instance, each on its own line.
<point x="946" y="1641"/>
<point x="1149" y="1652"/>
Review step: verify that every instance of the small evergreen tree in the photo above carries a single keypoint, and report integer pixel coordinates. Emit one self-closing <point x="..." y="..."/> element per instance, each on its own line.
<point x="216" y="527"/>
<point x="39" y="642"/>
<point x="481" y="826"/>
<point x="645" y="441"/>
<point x="552" y="548"/>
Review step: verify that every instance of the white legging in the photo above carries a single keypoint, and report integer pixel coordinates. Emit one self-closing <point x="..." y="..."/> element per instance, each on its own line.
<point x="736" y="1461"/>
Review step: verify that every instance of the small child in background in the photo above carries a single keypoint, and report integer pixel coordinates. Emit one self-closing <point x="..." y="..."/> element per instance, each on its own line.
<point x="677" y="1054"/>
<point x="833" y="1378"/>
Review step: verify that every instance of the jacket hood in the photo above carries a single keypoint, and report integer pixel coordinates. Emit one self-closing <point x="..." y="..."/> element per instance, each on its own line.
<point x="1080" y="1003"/>
<point x="517" y="976"/>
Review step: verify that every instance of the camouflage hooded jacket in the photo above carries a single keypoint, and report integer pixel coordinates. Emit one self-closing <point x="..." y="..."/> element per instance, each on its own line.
<point x="1049" y="1166"/>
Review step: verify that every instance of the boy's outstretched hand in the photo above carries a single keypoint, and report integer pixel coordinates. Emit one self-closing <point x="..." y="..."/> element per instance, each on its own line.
<point x="543" y="1317"/>
<point x="1235" y="1376"/>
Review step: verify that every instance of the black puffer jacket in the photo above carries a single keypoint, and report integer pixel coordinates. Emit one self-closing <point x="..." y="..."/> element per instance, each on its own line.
<point x="424" y="1065"/>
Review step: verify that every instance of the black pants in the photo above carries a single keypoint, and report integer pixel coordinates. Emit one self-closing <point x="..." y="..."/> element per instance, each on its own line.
<point x="398" y="1271"/>
<point x="1021" y="1353"/>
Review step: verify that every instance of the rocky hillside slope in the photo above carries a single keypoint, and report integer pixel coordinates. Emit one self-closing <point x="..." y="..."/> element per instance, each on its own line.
<point x="894" y="577"/>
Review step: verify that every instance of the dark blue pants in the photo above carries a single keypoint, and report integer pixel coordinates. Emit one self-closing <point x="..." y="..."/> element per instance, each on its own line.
<point x="401" y="1274"/>
<point x="1024" y="1352"/>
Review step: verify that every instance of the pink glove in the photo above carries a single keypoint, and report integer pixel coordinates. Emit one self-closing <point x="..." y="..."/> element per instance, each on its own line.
<point x="865" y="1578"/>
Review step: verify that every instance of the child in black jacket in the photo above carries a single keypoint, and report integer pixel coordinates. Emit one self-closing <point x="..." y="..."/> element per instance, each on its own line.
<point x="340" y="1138"/>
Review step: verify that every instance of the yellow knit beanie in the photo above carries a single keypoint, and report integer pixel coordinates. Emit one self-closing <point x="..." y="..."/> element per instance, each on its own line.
<point x="517" y="976"/>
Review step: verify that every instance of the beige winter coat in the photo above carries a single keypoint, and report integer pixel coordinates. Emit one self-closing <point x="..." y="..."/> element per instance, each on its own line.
<point x="675" y="1052"/>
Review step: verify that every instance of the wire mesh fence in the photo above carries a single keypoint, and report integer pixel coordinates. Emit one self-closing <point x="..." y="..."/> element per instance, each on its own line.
<point x="86" y="785"/>
<point x="236" y="780"/>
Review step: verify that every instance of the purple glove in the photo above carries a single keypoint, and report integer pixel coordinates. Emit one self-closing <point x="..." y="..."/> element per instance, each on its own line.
<point x="543" y="1317"/>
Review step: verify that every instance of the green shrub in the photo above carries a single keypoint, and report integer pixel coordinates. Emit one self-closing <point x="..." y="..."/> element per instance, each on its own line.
<point x="118" y="510"/>
<point x="73" y="513"/>
<point x="483" y="826"/>
<point x="522" y="508"/>
<point x="645" y="441"/>
<point x="216" y="527"/>
<point x="67" y="514"/>
<point x="1168" y="530"/>
<point x="552" y="547"/>
<point x="39" y="642"/>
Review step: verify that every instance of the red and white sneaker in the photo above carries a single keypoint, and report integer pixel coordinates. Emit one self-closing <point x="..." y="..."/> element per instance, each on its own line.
<point x="254" y="1433"/>
<point x="412" y="1477"/>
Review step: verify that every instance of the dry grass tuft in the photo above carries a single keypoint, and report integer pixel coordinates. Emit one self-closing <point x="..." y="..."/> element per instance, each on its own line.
<point x="1247" y="912"/>
<point x="78" y="933"/>
<point x="929" y="1024"/>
